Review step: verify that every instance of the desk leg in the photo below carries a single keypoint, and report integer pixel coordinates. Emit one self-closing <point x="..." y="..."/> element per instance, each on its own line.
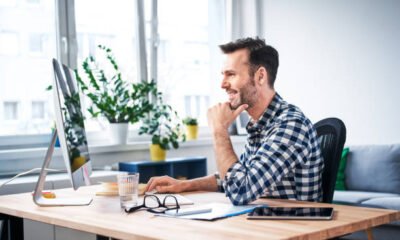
<point x="99" y="237"/>
<point x="12" y="228"/>
<point x="369" y="234"/>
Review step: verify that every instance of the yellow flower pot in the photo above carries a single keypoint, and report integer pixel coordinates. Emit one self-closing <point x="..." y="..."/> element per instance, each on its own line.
<point x="157" y="153"/>
<point x="191" y="132"/>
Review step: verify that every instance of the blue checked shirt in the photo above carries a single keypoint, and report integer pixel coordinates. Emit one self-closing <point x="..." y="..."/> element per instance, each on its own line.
<point x="281" y="159"/>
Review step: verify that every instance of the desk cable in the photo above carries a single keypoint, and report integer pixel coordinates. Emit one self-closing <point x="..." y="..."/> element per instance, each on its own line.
<point x="27" y="172"/>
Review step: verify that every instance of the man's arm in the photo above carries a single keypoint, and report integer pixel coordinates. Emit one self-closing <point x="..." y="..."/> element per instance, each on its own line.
<point x="274" y="159"/>
<point x="224" y="154"/>
<point x="169" y="184"/>
<point x="207" y="183"/>
<point x="220" y="117"/>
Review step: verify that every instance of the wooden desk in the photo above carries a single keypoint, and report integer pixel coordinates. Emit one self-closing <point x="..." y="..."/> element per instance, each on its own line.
<point x="104" y="217"/>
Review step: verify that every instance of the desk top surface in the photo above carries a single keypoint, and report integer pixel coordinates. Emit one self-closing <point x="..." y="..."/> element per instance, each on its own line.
<point x="104" y="217"/>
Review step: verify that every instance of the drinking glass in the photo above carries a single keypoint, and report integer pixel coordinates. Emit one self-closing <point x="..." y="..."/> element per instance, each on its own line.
<point x="128" y="184"/>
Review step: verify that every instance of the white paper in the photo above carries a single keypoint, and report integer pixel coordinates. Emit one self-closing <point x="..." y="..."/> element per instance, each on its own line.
<point x="219" y="210"/>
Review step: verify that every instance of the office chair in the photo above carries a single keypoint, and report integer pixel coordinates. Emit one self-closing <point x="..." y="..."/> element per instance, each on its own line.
<point x="331" y="133"/>
<point x="2" y="235"/>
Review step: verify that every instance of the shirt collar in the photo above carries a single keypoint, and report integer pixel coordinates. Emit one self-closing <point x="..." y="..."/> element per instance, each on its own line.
<point x="268" y="114"/>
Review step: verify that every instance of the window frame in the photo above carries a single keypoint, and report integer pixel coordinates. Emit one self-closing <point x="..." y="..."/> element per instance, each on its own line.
<point x="12" y="104"/>
<point x="67" y="53"/>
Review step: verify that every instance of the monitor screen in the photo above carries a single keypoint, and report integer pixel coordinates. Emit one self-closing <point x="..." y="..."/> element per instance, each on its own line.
<point x="70" y="125"/>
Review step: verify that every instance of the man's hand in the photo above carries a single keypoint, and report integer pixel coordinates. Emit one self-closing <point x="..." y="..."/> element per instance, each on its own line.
<point x="165" y="184"/>
<point x="221" y="116"/>
<point x="172" y="185"/>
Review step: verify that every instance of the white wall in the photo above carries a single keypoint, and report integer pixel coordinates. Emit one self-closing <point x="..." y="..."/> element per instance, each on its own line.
<point x="340" y="58"/>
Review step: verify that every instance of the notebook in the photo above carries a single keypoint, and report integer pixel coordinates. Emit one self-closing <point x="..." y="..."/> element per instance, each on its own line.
<point x="219" y="210"/>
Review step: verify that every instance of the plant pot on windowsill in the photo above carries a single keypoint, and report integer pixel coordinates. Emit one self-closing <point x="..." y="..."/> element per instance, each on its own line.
<point x="164" y="126"/>
<point x="157" y="153"/>
<point x="192" y="128"/>
<point x="118" y="133"/>
<point x="192" y="132"/>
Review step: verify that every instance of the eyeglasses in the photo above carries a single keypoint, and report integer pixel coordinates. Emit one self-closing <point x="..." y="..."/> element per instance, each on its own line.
<point x="152" y="202"/>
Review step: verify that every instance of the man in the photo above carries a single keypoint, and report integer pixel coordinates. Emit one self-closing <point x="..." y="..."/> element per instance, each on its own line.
<point x="282" y="158"/>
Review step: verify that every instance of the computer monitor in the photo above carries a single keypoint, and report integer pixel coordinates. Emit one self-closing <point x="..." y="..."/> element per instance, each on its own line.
<point x="72" y="137"/>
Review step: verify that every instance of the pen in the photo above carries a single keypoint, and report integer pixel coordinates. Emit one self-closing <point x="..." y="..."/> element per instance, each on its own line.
<point x="187" y="211"/>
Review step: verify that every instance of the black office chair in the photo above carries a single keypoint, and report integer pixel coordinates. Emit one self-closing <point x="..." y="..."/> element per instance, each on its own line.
<point x="2" y="235"/>
<point x="332" y="136"/>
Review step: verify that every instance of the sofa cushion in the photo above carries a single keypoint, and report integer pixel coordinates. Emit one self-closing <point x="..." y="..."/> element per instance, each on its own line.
<point x="373" y="168"/>
<point x="357" y="197"/>
<point x="387" y="202"/>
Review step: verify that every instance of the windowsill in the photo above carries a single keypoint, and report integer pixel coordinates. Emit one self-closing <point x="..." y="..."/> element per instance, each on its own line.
<point x="29" y="153"/>
<point x="53" y="181"/>
<point x="53" y="177"/>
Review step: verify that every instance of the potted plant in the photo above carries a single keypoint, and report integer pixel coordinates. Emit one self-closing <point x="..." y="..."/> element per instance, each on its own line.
<point x="164" y="126"/>
<point x="117" y="100"/>
<point x="192" y="128"/>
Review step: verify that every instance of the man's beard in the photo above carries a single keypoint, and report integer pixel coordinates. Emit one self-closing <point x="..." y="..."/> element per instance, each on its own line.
<point x="247" y="95"/>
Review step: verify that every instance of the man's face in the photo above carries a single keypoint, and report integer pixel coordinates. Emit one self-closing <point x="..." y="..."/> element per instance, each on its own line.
<point x="237" y="83"/>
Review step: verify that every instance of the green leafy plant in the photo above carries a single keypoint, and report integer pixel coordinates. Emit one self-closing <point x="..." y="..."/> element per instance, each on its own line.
<point x="163" y="125"/>
<point x="190" y="121"/>
<point x="111" y="96"/>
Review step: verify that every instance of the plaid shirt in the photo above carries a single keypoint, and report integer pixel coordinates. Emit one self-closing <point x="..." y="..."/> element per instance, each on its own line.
<point x="281" y="159"/>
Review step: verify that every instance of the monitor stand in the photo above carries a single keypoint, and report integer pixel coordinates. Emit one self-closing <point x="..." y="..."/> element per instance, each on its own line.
<point x="37" y="195"/>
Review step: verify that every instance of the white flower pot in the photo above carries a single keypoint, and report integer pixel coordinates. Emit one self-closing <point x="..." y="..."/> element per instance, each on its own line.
<point x="118" y="133"/>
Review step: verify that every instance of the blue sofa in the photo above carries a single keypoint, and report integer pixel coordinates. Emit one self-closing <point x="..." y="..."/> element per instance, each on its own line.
<point x="372" y="179"/>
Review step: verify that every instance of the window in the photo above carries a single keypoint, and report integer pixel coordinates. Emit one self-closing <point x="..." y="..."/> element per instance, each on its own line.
<point x="196" y="105"/>
<point x="36" y="43"/>
<point x="187" y="58"/>
<point x="7" y="3"/>
<point x="187" y="42"/>
<point x="10" y="111"/>
<point x="23" y="76"/>
<point x="33" y="1"/>
<point x="116" y="31"/>
<point x="38" y="110"/>
<point x="9" y="43"/>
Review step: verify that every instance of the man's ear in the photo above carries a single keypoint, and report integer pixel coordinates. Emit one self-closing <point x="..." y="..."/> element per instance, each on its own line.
<point x="261" y="76"/>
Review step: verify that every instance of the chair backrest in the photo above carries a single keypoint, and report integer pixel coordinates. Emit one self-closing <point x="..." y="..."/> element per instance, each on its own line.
<point x="332" y="136"/>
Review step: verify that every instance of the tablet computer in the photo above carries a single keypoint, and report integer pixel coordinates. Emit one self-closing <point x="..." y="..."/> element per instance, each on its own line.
<point x="295" y="213"/>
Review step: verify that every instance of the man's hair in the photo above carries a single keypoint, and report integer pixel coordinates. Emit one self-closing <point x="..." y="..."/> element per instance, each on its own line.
<point x="260" y="55"/>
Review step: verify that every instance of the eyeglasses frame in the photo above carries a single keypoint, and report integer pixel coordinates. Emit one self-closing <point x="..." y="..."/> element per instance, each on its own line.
<point x="151" y="209"/>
